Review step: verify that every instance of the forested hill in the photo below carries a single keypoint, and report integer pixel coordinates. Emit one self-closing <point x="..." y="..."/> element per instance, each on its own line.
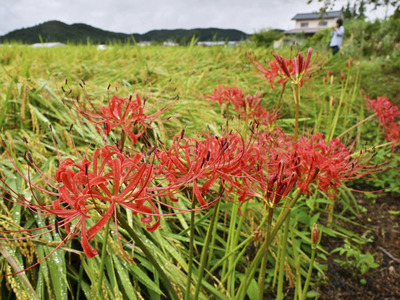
<point x="56" y="31"/>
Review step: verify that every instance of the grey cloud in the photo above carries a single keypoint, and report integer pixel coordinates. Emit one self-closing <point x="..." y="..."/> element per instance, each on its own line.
<point x="133" y="16"/>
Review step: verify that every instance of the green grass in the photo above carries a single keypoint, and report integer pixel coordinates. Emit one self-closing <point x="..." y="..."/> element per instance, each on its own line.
<point x="30" y="100"/>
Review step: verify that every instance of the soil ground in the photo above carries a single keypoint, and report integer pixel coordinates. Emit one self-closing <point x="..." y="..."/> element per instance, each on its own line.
<point x="382" y="221"/>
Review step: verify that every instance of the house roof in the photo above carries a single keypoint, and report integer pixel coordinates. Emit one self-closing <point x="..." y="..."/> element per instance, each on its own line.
<point x="318" y="15"/>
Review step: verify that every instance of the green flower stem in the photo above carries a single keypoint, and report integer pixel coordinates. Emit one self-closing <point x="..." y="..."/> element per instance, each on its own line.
<point x="229" y="254"/>
<point x="233" y="251"/>
<point x="338" y="110"/>
<point x="297" y="290"/>
<point x="253" y="266"/>
<point x="102" y="262"/>
<point x="305" y="289"/>
<point x="213" y="236"/>
<point x="261" y="278"/>
<point x="237" y="232"/>
<point x="283" y="259"/>
<point x="378" y="131"/>
<point x="235" y="262"/>
<point x="191" y="252"/>
<point x="227" y="115"/>
<point x="149" y="256"/>
<point x="229" y="244"/>
<point x="123" y="139"/>
<point x="358" y="124"/>
<point x="277" y="258"/>
<point x="204" y="252"/>
<point x="280" y="96"/>
<point x="296" y="95"/>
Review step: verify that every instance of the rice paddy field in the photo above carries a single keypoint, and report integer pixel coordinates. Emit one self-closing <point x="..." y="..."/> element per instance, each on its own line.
<point x="183" y="173"/>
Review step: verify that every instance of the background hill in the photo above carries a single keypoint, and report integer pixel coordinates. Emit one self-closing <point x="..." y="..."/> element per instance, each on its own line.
<point x="56" y="31"/>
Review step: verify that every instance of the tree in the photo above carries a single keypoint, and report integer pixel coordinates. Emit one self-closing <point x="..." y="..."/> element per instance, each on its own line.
<point x="328" y="4"/>
<point x="361" y="10"/>
<point x="347" y="12"/>
<point x="354" y="11"/>
<point x="266" y="38"/>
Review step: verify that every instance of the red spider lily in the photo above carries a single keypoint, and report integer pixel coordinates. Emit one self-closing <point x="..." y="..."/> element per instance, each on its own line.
<point x="393" y="134"/>
<point x="247" y="106"/>
<point x="93" y="188"/>
<point x="295" y="69"/>
<point x="271" y="73"/>
<point x="272" y="188"/>
<point x="127" y="113"/>
<point x="279" y="185"/>
<point x="263" y="116"/>
<point x="273" y="178"/>
<point x="205" y="160"/>
<point x="386" y="111"/>
<point x="234" y="95"/>
<point x="308" y="163"/>
<point x="226" y="94"/>
<point x="298" y="67"/>
<point x="328" y="165"/>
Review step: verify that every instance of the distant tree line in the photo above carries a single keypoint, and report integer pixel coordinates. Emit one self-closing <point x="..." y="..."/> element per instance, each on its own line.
<point x="266" y="38"/>
<point x="328" y="4"/>
<point x="357" y="11"/>
<point x="55" y="31"/>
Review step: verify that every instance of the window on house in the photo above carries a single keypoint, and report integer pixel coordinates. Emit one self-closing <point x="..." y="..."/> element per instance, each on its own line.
<point x="304" y="24"/>
<point x="323" y="23"/>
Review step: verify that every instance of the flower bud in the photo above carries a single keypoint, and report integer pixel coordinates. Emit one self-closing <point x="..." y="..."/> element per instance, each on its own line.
<point x="349" y="63"/>
<point x="315" y="234"/>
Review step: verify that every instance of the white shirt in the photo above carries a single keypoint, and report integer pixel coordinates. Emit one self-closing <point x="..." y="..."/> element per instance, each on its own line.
<point x="337" y="37"/>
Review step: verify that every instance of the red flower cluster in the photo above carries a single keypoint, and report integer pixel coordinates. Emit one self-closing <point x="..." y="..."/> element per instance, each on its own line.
<point x="94" y="188"/>
<point x="247" y="106"/>
<point x="224" y="94"/>
<point x="204" y="160"/>
<point x="273" y="72"/>
<point x="295" y="69"/>
<point x="327" y="165"/>
<point x="129" y="114"/>
<point x="386" y="113"/>
<point x="87" y="192"/>
<point x="310" y="164"/>
<point x="393" y="134"/>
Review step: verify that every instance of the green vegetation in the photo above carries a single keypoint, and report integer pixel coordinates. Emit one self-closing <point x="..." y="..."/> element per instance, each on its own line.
<point x="375" y="48"/>
<point x="266" y="38"/>
<point x="218" y="252"/>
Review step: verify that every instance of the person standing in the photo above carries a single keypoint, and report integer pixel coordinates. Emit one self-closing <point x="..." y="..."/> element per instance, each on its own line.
<point x="337" y="37"/>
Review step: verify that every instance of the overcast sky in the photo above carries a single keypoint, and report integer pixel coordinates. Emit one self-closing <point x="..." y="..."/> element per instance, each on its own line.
<point x="140" y="16"/>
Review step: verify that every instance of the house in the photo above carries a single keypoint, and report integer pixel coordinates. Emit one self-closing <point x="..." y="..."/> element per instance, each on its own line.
<point x="310" y="23"/>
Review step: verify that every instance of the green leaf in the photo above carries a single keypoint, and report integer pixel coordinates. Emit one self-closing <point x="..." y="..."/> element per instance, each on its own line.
<point x="394" y="212"/>
<point x="143" y="278"/>
<point x="124" y="279"/>
<point x="56" y="264"/>
<point x="312" y="294"/>
<point x="4" y="107"/>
